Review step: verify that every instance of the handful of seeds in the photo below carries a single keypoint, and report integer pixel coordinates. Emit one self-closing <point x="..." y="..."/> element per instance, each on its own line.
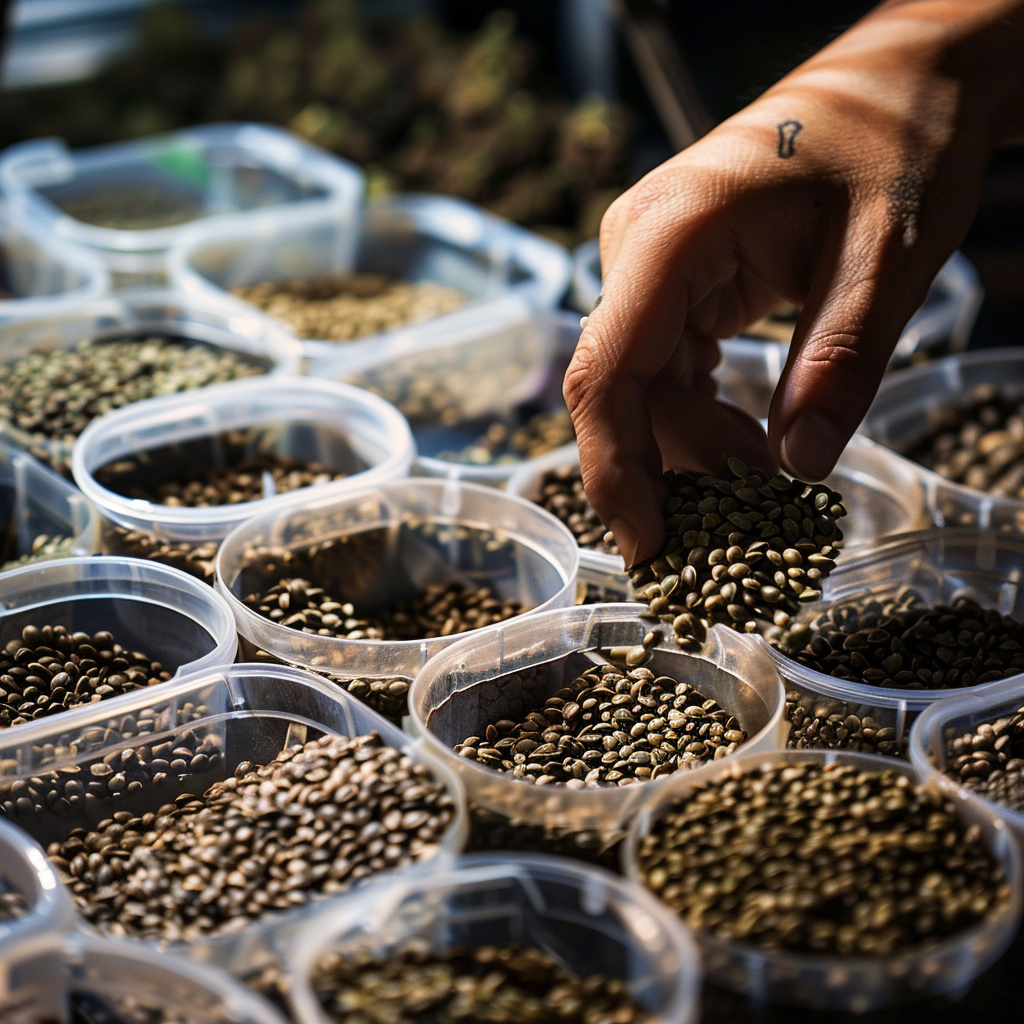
<point x="737" y="549"/>
<point x="481" y="985"/>
<point x="989" y="760"/>
<point x="819" y="858"/>
<point x="314" y="820"/>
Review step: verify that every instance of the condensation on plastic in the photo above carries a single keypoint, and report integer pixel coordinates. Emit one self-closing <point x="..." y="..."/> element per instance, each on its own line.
<point x="458" y="693"/>
<point x="227" y="171"/>
<point x="36" y="502"/>
<point x="941" y="565"/>
<point x="44" y="274"/>
<point x="249" y="712"/>
<point x="344" y="428"/>
<point x="412" y="237"/>
<point x="952" y="717"/>
<point x="141" y="314"/>
<point x="530" y="557"/>
<point x="148" y="607"/>
<point x="849" y="983"/>
<point x="589" y="920"/>
<point x="910" y="404"/>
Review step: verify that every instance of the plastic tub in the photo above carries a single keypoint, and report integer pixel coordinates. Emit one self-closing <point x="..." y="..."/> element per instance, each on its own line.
<point x="141" y="314"/>
<point x="748" y="373"/>
<point x="587" y="919"/>
<point x="412" y="237"/>
<point x="35" y="504"/>
<point x="342" y="427"/>
<point x="151" y="608"/>
<point x="416" y="532"/>
<point x="475" y="682"/>
<point x="205" y="172"/>
<point x="849" y="983"/>
<point x="940" y="565"/>
<point x="230" y="714"/>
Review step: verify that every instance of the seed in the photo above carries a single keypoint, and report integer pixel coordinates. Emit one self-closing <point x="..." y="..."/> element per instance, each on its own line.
<point x="989" y="759"/>
<point x="508" y="440"/>
<point x="561" y="493"/>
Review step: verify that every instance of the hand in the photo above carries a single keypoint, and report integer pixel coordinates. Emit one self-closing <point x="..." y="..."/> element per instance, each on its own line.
<point x="843" y="189"/>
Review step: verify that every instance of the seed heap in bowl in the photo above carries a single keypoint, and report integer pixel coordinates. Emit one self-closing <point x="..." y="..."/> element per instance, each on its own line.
<point x="480" y="985"/>
<point x="43" y="547"/>
<point x="314" y="820"/>
<point x="821" y="859"/>
<point x="343" y="307"/>
<point x="195" y="559"/>
<point x="980" y="445"/>
<point x="47" y="670"/>
<point x="902" y="642"/>
<point x="989" y="759"/>
<point x="737" y="549"/>
<point x="12" y="905"/>
<point x="138" y="208"/>
<point x="562" y="494"/>
<point x="819" y="723"/>
<point x="503" y="443"/>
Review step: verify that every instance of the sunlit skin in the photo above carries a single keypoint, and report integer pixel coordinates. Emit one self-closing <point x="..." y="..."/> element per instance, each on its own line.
<point x="842" y="189"/>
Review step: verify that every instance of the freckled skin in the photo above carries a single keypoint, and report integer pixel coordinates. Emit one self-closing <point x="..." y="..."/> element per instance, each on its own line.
<point x="842" y="189"/>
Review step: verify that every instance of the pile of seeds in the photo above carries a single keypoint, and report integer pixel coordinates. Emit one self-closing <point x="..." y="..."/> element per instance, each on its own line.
<point x="12" y="905"/>
<point x="480" y="985"/>
<point x="562" y="494"/>
<point x="821" y="859"/>
<point x="56" y="394"/>
<point x="818" y="723"/>
<point x="435" y="611"/>
<point x="989" y="760"/>
<point x="343" y="307"/>
<point x="195" y="559"/>
<point x="138" y="208"/>
<point x="902" y="642"/>
<point x="48" y="670"/>
<point x="388" y="696"/>
<point x="43" y="548"/>
<point x="980" y="445"/>
<point x="501" y="444"/>
<point x="314" y="820"/>
<point x="739" y="548"/>
<point x="610" y="726"/>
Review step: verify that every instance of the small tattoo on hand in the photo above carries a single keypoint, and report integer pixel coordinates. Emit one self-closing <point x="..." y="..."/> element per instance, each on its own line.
<point x="788" y="131"/>
<point x="597" y="301"/>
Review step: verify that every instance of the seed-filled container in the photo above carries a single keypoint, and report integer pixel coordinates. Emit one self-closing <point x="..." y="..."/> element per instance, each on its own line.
<point x="61" y="372"/>
<point x="377" y="582"/>
<point x="468" y="698"/>
<point x="854" y="982"/>
<point x="180" y="472"/>
<point x="103" y="765"/>
<point x="131" y="201"/>
<point x="939" y="567"/>
<point x="571" y="921"/>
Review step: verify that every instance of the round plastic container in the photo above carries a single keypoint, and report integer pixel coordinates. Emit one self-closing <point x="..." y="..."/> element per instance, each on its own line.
<point x="412" y="533"/>
<point x="849" y="983"/>
<point x="954" y="716"/>
<point x="909" y="404"/>
<point x="152" y="608"/>
<point x="587" y="919"/>
<point x="345" y="429"/>
<point x="941" y="565"/>
<point x="474" y="683"/>
<point x="748" y="372"/>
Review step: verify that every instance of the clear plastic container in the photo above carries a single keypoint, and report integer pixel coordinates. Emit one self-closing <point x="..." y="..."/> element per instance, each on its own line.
<point x="153" y="608"/>
<point x="748" y="373"/>
<point x="140" y="314"/>
<point x="941" y="565"/>
<point x="41" y="274"/>
<point x="587" y="919"/>
<point x="586" y="274"/>
<point x="476" y="682"/>
<point x="412" y="237"/>
<point x="956" y="715"/>
<point x="36" y="504"/>
<point x="849" y="983"/>
<point x="226" y="715"/>
<point x="206" y="172"/>
<point x="341" y="427"/>
<point x="909" y="404"/>
<point x="412" y="533"/>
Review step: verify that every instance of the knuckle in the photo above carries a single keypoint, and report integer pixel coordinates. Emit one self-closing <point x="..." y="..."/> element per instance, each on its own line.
<point x="840" y="352"/>
<point x="581" y="380"/>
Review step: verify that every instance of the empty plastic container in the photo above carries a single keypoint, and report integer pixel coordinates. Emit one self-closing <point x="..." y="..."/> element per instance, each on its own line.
<point x="848" y="983"/>
<point x="590" y="921"/>
<point x="476" y="682"/>
<point x="343" y="428"/>
<point x="131" y="201"/>
<point x="386" y="544"/>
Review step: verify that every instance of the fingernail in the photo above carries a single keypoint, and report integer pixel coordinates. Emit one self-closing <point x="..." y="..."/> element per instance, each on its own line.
<point x="811" y="446"/>
<point x="627" y="540"/>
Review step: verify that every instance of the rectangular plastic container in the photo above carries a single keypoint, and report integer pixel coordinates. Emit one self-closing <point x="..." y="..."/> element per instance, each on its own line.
<point x="205" y="172"/>
<point x="225" y="715"/>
